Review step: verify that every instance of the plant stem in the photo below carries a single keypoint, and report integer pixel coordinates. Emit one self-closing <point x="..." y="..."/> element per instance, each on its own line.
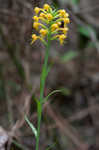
<point x="42" y="86"/>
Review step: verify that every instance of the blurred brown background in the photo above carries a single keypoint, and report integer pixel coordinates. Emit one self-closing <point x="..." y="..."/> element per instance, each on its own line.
<point x="70" y="119"/>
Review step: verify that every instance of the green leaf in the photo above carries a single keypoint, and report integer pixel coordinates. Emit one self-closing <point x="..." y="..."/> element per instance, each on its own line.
<point x="65" y="91"/>
<point x="75" y="2"/>
<point x="53" y="92"/>
<point x="85" y="30"/>
<point x="31" y="126"/>
<point x="68" y="56"/>
<point x="56" y="91"/>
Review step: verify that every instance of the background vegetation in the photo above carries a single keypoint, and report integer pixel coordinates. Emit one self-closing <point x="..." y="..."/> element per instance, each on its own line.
<point x="70" y="119"/>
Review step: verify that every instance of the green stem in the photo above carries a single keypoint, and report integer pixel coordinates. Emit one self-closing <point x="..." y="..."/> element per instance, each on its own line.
<point x="42" y="86"/>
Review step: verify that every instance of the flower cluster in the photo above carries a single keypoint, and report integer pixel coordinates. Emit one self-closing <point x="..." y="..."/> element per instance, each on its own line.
<point x="48" y="21"/>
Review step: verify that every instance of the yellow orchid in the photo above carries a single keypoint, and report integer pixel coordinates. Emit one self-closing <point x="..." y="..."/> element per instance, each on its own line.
<point x="50" y="24"/>
<point x="46" y="7"/>
<point x="49" y="17"/>
<point x="36" y="25"/>
<point x="54" y="27"/>
<point x="36" y="18"/>
<point x="43" y="32"/>
<point x="37" y="10"/>
<point x="48" y="21"/>
<point x="34" y="38"/>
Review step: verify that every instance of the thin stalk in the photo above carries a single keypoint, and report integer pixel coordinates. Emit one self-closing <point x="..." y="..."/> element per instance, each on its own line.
<point x="42" y="86"/>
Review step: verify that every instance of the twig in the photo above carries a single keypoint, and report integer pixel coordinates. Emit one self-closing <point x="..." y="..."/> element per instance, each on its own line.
<point x="66" y="128"/>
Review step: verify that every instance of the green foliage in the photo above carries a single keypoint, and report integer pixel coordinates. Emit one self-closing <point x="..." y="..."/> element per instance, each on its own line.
<point x="31" y="126"/>
<point x="75" y="2"/>
<point x="64" y="91"/>
<point x="85" y="30"/>
<point x="50" y="94"/>
<point x="68" y="56"/>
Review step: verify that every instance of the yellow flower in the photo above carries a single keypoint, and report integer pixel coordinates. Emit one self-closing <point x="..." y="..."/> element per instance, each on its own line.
<point x="46" y="7"/>
<point x="64" y="30"/>
<point x="43" y="32"/>
<point x="54" y="27"/>
<point x="62" y="12"/>
<point x="37" y="10"/>
<point x="62" y="38"/>
<point x="66" y="15"/>
<point x="59" y="23"/>
<point x="34" y="38"/>
<point x="52" y="22"/>
<point x="42" y="15"/>
<point x="49" y="17"/>
<point x="36" y="25"/>
<point x="66" y="20"/>
<point x="36" y="18"/>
